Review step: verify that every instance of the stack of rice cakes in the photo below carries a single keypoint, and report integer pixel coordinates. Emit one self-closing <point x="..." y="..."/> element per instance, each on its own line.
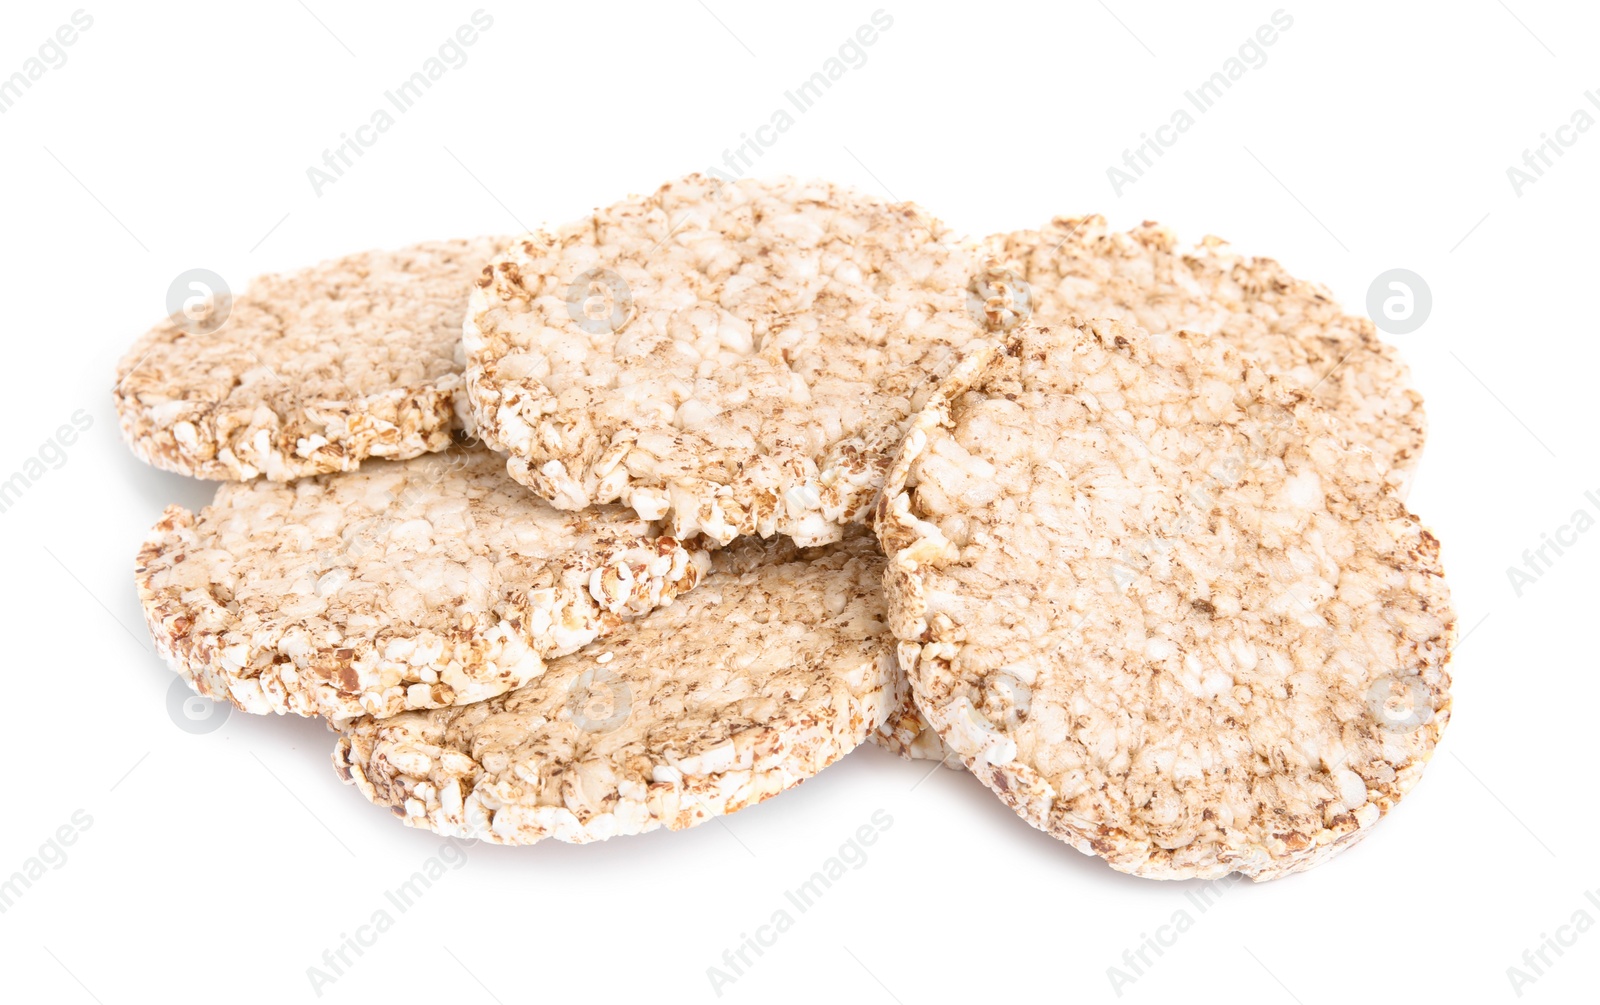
<point x="640" y="520"/>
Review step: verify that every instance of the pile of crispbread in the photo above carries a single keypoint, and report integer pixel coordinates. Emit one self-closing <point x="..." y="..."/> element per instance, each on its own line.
<point x="642" y="519"/>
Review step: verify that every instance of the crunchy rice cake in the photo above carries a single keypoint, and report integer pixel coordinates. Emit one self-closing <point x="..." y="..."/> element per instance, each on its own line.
<point x="773" y="668"/>
<point x="407" y="584"/>
<point x="907" y="733"/>
<point x="1157" y="602"/>
<point x="1075" y="268"/>
<point x="733" y="358"/>
<point x="904" y="731"/>
<point x="313" y="370"/>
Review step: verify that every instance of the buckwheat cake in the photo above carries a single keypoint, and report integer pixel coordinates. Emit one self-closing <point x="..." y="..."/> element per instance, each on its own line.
<point x="406" y="584"/>
<point x="774" y="667"/>
<point x="1076" y="268"/>
<point x="728" y="357"/>
<point x="907" y="733"/>
<point x="1160" y="604"/>
<point x="903" y="731"/>
<point x="312" y="371"/>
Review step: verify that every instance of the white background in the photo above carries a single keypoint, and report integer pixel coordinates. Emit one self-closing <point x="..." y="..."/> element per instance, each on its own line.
<point x="221" y="865"/>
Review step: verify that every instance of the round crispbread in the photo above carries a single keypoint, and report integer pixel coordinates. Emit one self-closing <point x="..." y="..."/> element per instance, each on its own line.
<point x="772" y="669"/>
<point x="1160" y="605"/>
<point x="906" y="732"/>
<point x="730" y="357"/>
<point x="311" y="372"/>
<point x="407" y="584"/>
<point x="1075" y="268"/>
